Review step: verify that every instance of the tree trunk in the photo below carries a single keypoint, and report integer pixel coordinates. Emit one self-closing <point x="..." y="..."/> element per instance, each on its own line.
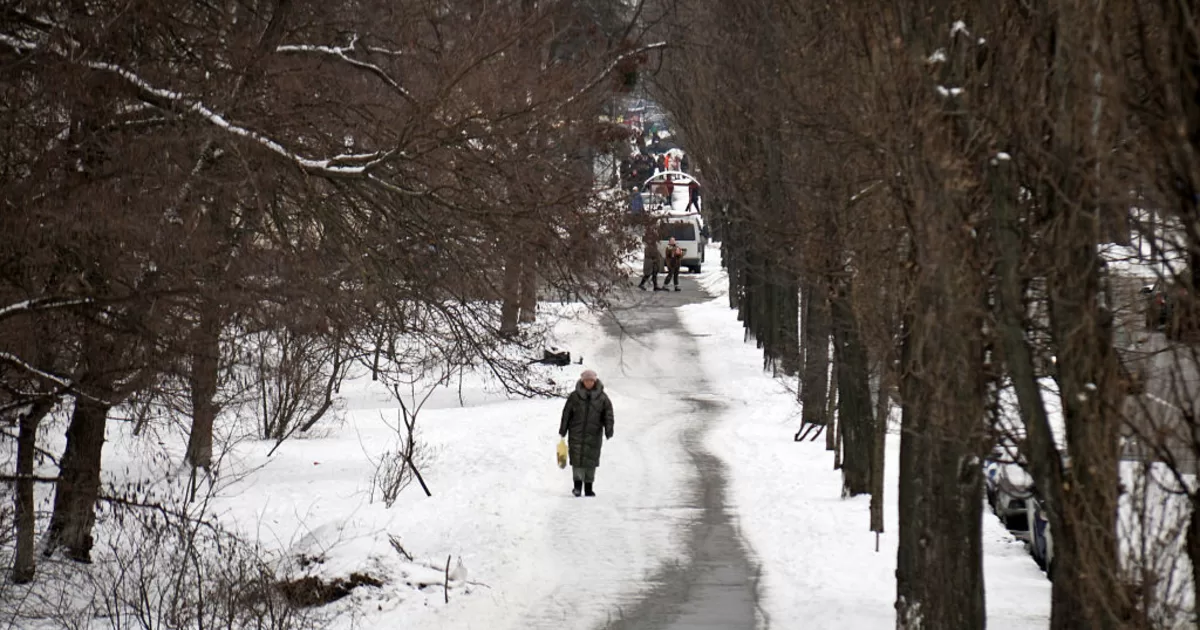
<point x="510" y="295"/>
<point x="1087" y="586"/>
<point x="1075" y="604"/>
<point x="879" y="444"/>
<point x="203" y="381"/>
<point x="79" y="482"/>
<point x="24" y="564"/>
<point x="814" y="382"/>
<point x="941" y="489"/>
<point x="831" y="406"/>
<point x="788" y="313"/>
<point x="529" y="292"/>
<point x="855" y="419"/>
<point x="1193" y="545"/>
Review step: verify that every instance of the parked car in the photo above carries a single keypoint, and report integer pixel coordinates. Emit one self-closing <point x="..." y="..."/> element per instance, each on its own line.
<point x="1009" y="488"/>
<point x="1041" y="544"/>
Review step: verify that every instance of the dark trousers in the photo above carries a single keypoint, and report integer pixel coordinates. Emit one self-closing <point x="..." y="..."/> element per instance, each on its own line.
<point x="652" y="275"/>
<point x="671" y="273"/>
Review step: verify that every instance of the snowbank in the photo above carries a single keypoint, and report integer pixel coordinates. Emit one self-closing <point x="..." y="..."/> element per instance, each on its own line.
<point x="820" y="564"/>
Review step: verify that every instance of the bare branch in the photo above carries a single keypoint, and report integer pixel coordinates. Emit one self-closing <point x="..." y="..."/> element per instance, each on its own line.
<point x="339" y="52"/>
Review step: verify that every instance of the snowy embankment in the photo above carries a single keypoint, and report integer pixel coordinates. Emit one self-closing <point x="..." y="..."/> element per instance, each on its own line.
<point x="819" y="560"/>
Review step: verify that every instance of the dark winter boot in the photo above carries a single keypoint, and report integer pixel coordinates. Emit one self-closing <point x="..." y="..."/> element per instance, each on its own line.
<point x="578" y="487"/>
<point x="676" y="287"/>
<point x="587" y="490"/>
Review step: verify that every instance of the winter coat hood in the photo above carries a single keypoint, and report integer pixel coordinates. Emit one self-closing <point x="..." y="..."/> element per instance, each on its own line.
<point x="585" y="392"/>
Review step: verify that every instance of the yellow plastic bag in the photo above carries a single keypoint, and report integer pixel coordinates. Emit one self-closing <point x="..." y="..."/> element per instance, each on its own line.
<point x="562" y="453"/>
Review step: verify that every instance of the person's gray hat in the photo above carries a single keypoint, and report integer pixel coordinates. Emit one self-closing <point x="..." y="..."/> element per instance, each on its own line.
<point x="588" y="375"/>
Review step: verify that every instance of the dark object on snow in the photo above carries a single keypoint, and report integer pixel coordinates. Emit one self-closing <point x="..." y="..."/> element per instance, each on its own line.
<point x="578" y="487"/>
<point x="311" y="591"/>
<point x="554" y="357"/>
<point x="808" y="432"/>
<point x="587" y="490"/>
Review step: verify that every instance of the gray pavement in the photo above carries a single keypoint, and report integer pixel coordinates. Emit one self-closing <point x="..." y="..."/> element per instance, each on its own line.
<point x="714" y="585"/>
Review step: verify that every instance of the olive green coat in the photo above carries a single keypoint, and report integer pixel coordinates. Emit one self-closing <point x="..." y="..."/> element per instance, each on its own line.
<point x="587" y="419"/>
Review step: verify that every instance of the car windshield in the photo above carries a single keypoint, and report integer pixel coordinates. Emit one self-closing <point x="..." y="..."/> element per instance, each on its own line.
<point x="679" y="231"/>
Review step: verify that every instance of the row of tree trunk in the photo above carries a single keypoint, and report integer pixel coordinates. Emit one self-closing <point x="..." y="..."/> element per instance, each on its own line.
<point x="911" y="180"/>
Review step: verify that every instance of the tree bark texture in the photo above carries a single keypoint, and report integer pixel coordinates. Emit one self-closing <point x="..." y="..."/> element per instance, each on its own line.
<point x="24" y="563"/>
<point x="941" y="487"/>
<point x="203" y="381"/>
<point x="855" y="416"/>
<point x="78" y="488"/>
<point x="879" y="444"/>
<point x="814" y="383"/>
<point x="1087" y="589"/>
<point x="510" y="295"/>
<point x="831" y="409"/>
<point x="528" y="291"/>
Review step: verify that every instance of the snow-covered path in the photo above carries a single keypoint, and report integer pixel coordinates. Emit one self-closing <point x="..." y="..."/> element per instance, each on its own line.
<point x="712" y="583"/>
<point x="630" y="557"/>
<point x="707" y="515"/>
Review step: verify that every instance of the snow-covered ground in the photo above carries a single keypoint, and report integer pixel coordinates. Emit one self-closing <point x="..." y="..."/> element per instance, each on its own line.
<point x="533" y="556"/>
<point x="820" y="566"/>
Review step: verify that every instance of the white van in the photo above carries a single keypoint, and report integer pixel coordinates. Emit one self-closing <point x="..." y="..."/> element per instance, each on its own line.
<point x="687" y="230"/>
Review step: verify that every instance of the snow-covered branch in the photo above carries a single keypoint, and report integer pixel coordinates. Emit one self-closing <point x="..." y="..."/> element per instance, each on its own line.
<point x="41" y="304"/>
<point x="53" y="378"/>
<point x="344" y="166"/>
<point x="355" y="165"/>
<point x="16" y="43"/>
<point x="340" y="52"/>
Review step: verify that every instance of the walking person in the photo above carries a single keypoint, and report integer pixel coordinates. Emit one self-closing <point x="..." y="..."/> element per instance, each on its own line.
<point x="674" y="262"/>
<point x="651" y="261"/>
<point x="587" y="419"/>
<point x="693" y="196"/>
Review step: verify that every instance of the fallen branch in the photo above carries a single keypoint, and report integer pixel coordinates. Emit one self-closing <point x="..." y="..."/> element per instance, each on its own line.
<point x="399" y="548"/>
<point x="33" y="478"/>
<point x="446" y="585"/>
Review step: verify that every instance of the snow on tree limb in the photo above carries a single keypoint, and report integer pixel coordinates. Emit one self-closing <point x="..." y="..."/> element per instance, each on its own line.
<point x="20" y="45"/>
<point x="168" y="97"/>
<point x="341" y="166"/>
<point x="41" y="304"/>
<point x="53" y="378"/>
<point x="339" y="52"/>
